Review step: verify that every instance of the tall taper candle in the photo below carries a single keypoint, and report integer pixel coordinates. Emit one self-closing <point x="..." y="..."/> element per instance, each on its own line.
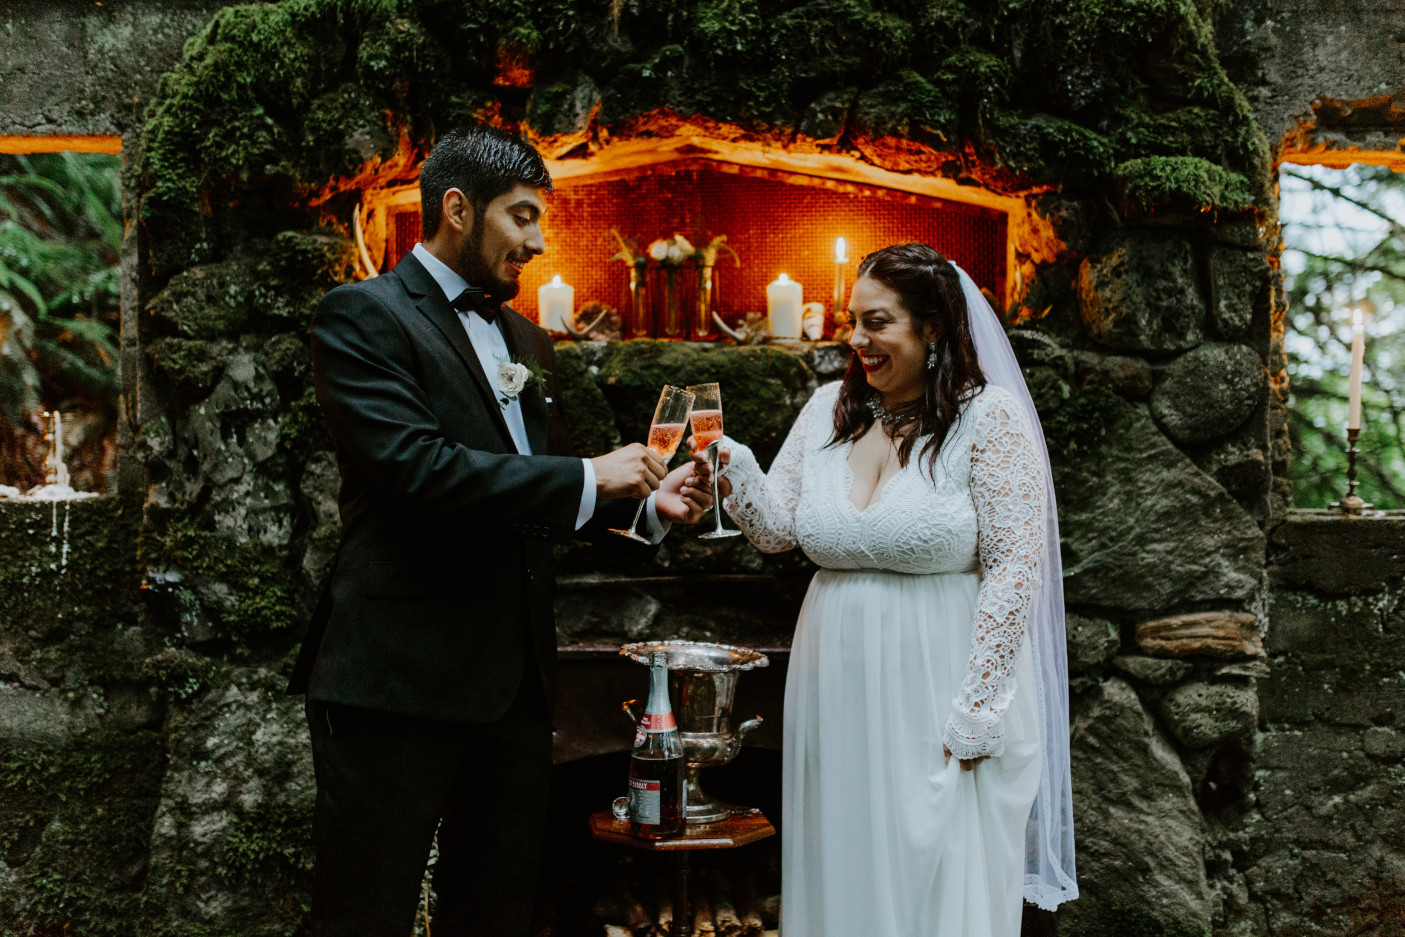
<point x="1358" y="358"/>
<point x="840" y="259"/>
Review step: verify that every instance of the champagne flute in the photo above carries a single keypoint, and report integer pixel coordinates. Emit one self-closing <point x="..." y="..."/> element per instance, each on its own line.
<point x="665" y="433"/>
<point x="707" y="434"/>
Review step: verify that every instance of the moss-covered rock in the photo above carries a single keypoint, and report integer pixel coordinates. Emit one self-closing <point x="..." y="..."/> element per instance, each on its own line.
<point x="1186" y="184"/>
<point x="74" y="822"/>
<point x="1187" y="540"/>
<point x="1208" y="392"/>
<point x="1141" y="291"/>
<point x="590" y="423"/>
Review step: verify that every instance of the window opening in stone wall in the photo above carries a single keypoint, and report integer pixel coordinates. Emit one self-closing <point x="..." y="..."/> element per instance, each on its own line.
<point x="1344" y="249"/>
<point x="776" y="222"/>
<point x="60" y="246"/>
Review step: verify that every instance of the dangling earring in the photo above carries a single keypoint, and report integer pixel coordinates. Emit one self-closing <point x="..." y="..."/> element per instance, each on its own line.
<point x="931" y="355"/>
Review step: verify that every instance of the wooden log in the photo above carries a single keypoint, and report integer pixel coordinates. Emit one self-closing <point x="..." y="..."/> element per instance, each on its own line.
<point x="724" y="912"/>
<point x="703" y="925"/>
<point x="748" y="907"/>
<point x="632" y="914"/>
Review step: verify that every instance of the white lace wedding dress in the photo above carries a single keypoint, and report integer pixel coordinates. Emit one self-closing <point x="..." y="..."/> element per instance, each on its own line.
<point x="911" y="636"/>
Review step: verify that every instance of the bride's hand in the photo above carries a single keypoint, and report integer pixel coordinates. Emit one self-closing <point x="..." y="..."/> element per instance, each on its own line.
<point x="966" y="763"/>
<point x="724" y="456"/>
<point x="685" y="494"/>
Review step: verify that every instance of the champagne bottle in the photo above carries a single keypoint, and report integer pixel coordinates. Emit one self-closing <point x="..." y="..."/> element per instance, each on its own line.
<point x="656" y="764"/>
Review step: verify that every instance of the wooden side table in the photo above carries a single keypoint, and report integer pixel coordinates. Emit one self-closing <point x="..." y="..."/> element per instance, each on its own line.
<point x="745" y="825"/>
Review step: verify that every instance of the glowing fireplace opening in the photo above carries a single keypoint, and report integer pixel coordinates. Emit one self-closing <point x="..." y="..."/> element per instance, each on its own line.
<point x="777" y="221"/>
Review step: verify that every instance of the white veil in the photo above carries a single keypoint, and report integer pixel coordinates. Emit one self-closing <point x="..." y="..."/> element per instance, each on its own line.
<point x="1049" y="877"/>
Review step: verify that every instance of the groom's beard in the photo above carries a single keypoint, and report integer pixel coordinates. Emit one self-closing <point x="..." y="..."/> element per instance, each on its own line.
<point x="480" y="274"/>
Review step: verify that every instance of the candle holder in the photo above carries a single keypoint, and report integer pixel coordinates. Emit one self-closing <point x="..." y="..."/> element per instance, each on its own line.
<point x="1351" y="505"/>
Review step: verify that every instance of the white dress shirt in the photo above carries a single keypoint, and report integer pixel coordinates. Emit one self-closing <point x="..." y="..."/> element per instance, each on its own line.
<point x="491" y="347"/>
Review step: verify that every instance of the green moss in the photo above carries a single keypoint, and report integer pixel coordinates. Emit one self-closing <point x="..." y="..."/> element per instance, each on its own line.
<point x="1080" y="423"/>
<point x="842" y="41"/>
<point x="590" y="423"/>
<point x="907" y="106"/>
<point x="303" y="428"/>
<point x="1181" y="183"/>
<point x="256" y="582"/>
<point x="763" y="388"/>
<point x="180" y="673"/>
<point x="194" y="364"/>
<point x="66" y="567"/>
<point x="1049" y="148"/>
<point x="342" y="130"/>
<point x="75" y="820"/>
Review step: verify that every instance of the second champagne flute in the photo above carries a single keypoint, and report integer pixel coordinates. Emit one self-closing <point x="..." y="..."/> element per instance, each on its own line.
<point x="665" y="433"/>
<point x="707" y="434"/>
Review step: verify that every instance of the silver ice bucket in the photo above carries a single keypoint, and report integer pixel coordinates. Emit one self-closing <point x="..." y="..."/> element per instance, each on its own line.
<point x="702" y="681"/>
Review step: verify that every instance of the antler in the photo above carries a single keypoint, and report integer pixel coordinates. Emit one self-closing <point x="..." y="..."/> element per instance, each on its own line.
<point x="709" y="253"/>
<point x="584" y="334"/>
<point x="361" y="252"/>
<point x="731" y="333"/>
<point x="628" y="252"/>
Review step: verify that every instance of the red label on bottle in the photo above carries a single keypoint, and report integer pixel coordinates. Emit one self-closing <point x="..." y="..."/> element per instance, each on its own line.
<point x="657" y="722"/>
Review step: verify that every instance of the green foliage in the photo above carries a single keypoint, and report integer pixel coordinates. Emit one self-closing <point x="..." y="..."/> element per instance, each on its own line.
<point x="270" y="844"/>
<point x="1328" y="265"/>
<point x="60" y="238"/>
<point x="1181" y="183"/>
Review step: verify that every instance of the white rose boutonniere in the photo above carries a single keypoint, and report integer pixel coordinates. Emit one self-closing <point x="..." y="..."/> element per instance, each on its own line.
<point x="515" y="375"/>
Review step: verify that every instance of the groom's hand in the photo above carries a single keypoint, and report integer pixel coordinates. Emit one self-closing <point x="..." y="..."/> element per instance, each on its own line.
<point x="631" y="472"/>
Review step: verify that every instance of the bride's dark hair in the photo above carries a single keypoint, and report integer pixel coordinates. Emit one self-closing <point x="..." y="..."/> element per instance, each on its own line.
<point x="931" y="292"/>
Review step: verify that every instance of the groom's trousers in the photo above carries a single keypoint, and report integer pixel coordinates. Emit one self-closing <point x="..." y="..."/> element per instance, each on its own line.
<point x="385" y="782"/>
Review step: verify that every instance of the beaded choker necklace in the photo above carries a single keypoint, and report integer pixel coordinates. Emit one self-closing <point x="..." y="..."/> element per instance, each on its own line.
<point x="887" y="417"/>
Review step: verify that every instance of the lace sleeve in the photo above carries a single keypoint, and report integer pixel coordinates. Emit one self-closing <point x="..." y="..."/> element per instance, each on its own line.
<point x="763" y="503"/>
<point x="1008" y="490"/>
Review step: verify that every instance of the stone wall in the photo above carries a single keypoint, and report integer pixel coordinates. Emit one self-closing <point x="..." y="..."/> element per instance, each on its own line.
<point x="158" y="781"/>
<point x="1323" y="851"/>
<point x="78" y="68"/>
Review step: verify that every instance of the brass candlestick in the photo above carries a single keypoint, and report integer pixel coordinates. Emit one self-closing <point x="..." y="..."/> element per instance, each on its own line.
<point x="1351" y="505"/>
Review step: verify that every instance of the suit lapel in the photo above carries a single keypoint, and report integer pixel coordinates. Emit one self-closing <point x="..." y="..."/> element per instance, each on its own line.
<point x="429" y="300"/>
<point x="521" y="341"/>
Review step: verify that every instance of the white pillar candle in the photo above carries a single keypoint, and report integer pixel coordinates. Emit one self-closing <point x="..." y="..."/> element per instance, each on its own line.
<point x="783" y="307"/>
<point x="556" y="301"/>
<point x="1358" y="358"/>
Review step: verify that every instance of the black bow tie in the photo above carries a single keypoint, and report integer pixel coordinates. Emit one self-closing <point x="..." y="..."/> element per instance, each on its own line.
<point x="477" y="300"/>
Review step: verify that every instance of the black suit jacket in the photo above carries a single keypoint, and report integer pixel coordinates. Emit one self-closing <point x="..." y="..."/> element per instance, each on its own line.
<point x="442" y="592"/>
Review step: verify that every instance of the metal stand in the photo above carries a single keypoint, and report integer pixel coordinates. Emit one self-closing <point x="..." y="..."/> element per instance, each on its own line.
<point x="1351" y="505"/>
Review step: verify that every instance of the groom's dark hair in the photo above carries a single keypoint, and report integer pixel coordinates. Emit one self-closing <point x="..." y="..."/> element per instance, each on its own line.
<point x="481" y="161"/>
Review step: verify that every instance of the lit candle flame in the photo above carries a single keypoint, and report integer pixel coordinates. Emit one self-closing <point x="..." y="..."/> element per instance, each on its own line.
<point x="839" y="255"/>
<point x="1356" y="318"/>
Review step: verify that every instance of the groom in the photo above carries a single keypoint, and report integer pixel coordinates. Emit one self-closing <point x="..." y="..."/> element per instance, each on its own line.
<point x="429" y="665"/>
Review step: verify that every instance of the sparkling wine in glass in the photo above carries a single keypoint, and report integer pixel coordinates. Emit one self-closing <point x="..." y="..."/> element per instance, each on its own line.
<point x="707" y="434"/>
<point x="665" y="433"/>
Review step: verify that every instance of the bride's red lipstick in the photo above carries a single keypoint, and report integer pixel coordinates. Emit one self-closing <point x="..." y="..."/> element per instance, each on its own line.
<point x="870" y="368"/>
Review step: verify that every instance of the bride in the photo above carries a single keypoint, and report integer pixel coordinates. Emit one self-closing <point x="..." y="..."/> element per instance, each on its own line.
<point x="925" y="774"/>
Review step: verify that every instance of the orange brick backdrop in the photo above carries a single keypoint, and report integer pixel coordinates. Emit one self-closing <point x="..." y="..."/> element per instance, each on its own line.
<point x="777" y="222"/>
